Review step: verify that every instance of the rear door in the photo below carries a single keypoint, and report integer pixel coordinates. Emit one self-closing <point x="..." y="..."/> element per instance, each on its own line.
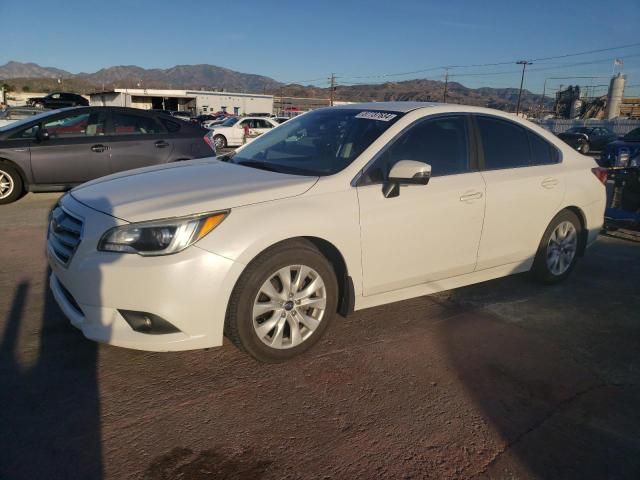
<point x="136" y="140"/>
<point x="524" y="189"/>
<point x="75" y="150"/>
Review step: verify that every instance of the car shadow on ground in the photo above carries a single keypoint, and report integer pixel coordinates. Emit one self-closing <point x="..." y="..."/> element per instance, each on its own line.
<point x="551" y="370"/>
<point x="50" y="415"/>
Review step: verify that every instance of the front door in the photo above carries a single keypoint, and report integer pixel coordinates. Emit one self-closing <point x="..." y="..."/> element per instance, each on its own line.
<point x="430" y="232"/>
<point x="71" y="149"/>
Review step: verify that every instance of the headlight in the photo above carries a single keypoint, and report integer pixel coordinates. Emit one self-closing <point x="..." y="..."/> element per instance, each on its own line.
<point x="161" y="237"/>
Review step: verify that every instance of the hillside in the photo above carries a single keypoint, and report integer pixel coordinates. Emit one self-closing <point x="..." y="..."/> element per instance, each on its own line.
<point x="34" y="78"/>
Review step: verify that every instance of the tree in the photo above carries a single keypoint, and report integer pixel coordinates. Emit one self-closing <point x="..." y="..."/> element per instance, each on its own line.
<point x="25" y="88"/>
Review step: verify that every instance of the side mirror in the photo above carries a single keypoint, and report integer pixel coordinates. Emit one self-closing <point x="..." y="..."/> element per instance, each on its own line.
<point x="406" y="172"/>
<point x="42" y="134"/>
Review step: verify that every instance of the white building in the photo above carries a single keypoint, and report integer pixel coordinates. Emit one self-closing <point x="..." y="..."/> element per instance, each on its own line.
<point x="195" y="101"/>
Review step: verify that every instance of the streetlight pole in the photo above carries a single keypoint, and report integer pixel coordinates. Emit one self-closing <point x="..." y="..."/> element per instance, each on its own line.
<point x="524" y="64"/>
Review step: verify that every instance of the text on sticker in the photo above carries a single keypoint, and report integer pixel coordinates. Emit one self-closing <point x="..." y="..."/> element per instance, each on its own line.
<point x="384" y="117"/>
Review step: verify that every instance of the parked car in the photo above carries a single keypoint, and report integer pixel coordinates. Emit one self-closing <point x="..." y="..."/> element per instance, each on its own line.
<point x="55" y="150"/>
<point x="337" y="210"/>
<point x="182" y="115"/>
<point x="231" y="132"/>
<point x="622" y="153"/>
<point x="13" y="114"/>
<point x="585" y="139"/>
<point x="216" y="121"/>
<point x="58" y="100"/>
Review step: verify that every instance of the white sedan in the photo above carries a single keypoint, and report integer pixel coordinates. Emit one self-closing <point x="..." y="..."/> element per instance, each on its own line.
<point x="236" y="131"/>
<point x="336" y="210"/>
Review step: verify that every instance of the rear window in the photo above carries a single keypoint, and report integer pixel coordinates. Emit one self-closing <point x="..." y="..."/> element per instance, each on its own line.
<point x="542" y="152"/>
<point x="505" y="144"/>
<point x="170" y="125"/>
<point x="127" y="124"/>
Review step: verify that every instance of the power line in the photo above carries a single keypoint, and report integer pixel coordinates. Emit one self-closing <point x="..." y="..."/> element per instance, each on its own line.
<point x="475" y="65"/>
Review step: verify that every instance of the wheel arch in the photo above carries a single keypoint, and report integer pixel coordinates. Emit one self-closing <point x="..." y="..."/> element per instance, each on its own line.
<point x="584" y="232"/>
<point x="346" y="290"/>
<point x="23" y="175"/>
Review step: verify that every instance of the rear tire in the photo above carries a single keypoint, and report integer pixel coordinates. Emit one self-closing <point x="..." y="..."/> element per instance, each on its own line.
<point x="11" y="185"/>
<point x="558" y="250"/>
<point x="283" y="302"/>
<point x="220" y="141"/>
<point x="584" y="148"/>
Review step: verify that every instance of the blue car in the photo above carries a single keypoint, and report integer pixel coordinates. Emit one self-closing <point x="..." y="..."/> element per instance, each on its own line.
<point x="622" y="153"/>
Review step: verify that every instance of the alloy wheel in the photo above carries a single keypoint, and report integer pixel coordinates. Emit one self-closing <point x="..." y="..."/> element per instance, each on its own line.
<point x="6" y="184"/>
<point x="289" y="306"/>
<point x="562" y="247"/>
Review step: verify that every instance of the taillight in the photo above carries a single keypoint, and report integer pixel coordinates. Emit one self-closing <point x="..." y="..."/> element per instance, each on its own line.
<point x="601" y="173"/>
<point x="209" y="142"/>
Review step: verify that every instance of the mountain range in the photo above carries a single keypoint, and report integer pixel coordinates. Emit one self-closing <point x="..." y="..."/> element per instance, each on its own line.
<point x="35" y="78"/>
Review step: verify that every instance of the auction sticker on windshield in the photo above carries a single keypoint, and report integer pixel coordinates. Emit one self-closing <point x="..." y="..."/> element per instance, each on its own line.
<point x="382" y="116"/>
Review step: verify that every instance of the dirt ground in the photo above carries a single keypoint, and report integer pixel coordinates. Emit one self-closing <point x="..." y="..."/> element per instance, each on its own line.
<point x="507" y="379"/>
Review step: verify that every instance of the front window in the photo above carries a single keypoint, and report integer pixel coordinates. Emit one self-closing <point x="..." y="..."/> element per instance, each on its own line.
<point x="319" y="143"/>
<point x="79" y="125"/>
<point x="632" y="136"/>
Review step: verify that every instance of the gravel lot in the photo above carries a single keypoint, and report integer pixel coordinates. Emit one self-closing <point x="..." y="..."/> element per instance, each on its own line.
<point x="506" y="379"/>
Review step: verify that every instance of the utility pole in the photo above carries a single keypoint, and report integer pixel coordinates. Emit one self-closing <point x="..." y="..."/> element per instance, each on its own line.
<point x="524" y="64"/>
<point x="446" y="84"/>
<point x="544" y="92"/>
<point x="332" y="88"/>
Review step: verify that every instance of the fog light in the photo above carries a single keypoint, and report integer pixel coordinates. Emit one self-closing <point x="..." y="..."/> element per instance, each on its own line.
<point x="145" y="322"/>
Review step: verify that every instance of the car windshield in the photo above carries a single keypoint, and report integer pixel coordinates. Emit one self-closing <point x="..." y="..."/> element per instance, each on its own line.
<point x="24" y="121"/>
<point x="318" y="143"/>
<point x="229" y="122"/>
<point x="633" y="135"/>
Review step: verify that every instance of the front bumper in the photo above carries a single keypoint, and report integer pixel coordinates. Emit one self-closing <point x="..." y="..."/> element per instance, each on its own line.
<point x="189" y="289"/>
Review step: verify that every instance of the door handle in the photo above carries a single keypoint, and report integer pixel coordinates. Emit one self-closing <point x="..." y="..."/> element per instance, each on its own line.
<point x="161" y="144"/>
<point x="470" y="196"/>
<point x="99" y="148"/>
<point x="549" y="182"/>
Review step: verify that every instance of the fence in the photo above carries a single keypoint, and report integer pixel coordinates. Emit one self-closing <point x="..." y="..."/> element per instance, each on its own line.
<point x="618" y="126"/>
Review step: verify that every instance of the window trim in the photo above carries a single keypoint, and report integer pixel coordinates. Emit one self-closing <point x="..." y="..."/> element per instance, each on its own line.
<point x="528" y="131"/>
<point x="358" y="180"/>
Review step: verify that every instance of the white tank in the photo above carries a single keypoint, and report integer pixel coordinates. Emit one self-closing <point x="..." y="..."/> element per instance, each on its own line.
<point x="576" y="108"/>
<point x="614" y="98"/>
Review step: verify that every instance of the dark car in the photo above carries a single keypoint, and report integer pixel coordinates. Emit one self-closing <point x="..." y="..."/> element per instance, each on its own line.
<point x="58" y="100"/>
<point x="622" y="153"/>
<point x="53" y="151"/>
<point x="585" y="139"/>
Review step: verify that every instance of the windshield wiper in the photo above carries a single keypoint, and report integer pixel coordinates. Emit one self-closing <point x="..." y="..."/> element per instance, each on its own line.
<point x="256" y="164"/>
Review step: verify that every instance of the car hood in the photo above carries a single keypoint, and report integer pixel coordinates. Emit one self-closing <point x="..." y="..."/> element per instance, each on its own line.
<point x="186" y="188"/>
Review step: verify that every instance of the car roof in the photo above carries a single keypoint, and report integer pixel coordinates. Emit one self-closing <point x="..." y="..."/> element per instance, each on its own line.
<point x="402" y="107"/>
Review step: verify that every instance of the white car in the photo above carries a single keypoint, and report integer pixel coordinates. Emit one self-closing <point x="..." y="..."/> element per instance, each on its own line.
<point x="231" y="132"/>
<point x="336" y="210"/>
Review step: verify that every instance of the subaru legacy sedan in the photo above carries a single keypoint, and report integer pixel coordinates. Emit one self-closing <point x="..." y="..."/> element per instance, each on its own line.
<point x="337" y="210"/>
<point x="56" y="150"/>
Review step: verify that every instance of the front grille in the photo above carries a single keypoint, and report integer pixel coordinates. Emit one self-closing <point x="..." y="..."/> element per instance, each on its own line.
<point x="65" y="233"/>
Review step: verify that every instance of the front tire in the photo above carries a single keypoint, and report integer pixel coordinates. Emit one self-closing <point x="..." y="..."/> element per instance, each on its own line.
<point x="283" y="302"/>
<point x="558" y="250"/>
<point x="11" y="186"/>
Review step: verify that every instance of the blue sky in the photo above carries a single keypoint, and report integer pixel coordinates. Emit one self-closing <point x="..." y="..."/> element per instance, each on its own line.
<point x="304" y="40"/>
